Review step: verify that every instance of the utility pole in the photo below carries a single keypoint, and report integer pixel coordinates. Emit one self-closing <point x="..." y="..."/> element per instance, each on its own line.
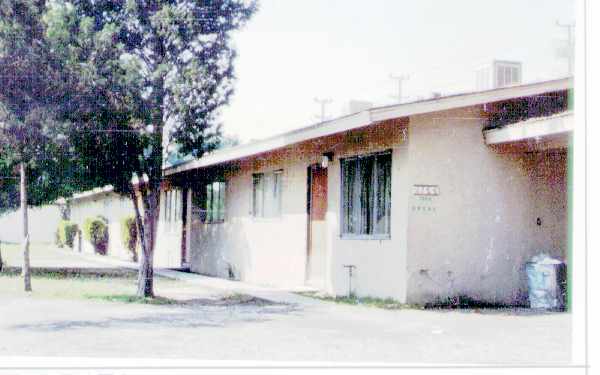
<point x="399" y="80"/>
<point x="570" y="42"/>
<point x="323" y="103"/>
<point x="25" y="270"/>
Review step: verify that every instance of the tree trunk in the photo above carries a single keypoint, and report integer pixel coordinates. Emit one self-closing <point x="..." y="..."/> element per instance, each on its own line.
<point x="147" y="229"/>
<point x="25" y="271"/>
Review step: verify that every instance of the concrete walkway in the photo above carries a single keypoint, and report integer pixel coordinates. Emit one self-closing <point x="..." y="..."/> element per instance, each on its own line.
<point x="50" y="256"/>
<point x="277" y="295"/>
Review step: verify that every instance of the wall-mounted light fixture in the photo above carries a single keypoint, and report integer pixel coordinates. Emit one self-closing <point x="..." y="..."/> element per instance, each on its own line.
<point x="326" y="158"/>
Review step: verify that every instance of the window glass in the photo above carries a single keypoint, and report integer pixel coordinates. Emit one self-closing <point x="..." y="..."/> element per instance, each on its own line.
<point x="350" y="218"/>
<point x="213" y="203"/>
<point x="366" y="194"/>
<point x="383" y="184"/>
<point x="208" y="203"/>
<point x="266" y="194"/>
<point x="258" y="194"/>
<point x="221" y="202"/>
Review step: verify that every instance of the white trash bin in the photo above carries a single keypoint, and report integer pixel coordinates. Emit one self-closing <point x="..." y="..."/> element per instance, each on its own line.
<point x="546" y="280"/>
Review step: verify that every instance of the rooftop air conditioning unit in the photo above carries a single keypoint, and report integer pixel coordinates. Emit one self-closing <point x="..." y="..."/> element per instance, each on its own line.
<point x="499" y="73"/>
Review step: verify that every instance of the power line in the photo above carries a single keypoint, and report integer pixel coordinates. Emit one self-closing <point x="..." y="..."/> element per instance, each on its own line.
<point x="569" y="27"/>
<point x="399" y="80"/>
<point x="323" y="103"/>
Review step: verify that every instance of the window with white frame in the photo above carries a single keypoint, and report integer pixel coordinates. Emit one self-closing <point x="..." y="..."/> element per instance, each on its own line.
<point x="266" y="194"/>
<point x="366" y="195"/>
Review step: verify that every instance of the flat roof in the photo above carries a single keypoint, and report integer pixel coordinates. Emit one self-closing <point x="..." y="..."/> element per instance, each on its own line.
<point x="366" y="118"/>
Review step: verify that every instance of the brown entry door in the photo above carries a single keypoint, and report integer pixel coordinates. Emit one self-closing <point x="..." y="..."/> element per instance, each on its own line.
<point x="317" y="225"/>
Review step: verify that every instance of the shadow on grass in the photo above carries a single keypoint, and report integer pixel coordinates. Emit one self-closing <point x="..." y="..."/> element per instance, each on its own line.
<point x="231" y="300"/>
<point x="127" y="298"/>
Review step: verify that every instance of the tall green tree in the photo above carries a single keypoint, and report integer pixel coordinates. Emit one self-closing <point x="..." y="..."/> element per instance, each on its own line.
<point x="151" y="73"/>
<point x="31" y="83"/>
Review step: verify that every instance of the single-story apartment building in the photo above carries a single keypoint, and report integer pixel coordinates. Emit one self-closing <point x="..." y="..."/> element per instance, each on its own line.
<point x="420" y="201"/>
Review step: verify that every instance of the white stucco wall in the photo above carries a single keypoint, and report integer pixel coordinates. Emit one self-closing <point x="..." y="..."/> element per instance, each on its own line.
<point x="273" y="251"/>
<point x="114" y="208"/>
<point x="380" y="264"/>
<point x="483" y="229"/>
<point x="473" y="239"/>
<point x="263" y="251"/>
<point x="43" y="222"/>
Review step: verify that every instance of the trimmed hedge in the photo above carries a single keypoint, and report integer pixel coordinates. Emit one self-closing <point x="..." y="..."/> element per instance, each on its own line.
<point x="129" y="235"/>
<point x="95" y="230"/>
<point x="65" y="234"/>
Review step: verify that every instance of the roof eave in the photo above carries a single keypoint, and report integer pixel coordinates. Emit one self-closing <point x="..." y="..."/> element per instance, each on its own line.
<point x="368" y="117"/>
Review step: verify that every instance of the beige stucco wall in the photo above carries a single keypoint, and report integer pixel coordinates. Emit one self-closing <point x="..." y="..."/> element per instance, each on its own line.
<point x="273" y="251"/>
<point x="473" y="239"/>
<point x="484" y="228"/>
<point x="262" y="251"/>
<point x="380" y="264"/>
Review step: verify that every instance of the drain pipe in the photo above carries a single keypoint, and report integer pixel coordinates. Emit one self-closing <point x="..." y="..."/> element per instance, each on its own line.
<point x="350" y="268"/>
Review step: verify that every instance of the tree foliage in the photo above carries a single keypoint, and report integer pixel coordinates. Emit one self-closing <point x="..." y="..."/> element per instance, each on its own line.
<point x="147" y="70"/>
<point x="33" y="86"/>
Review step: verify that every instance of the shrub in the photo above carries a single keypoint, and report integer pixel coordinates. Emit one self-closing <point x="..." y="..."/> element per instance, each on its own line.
<point x="129" y="235"/>
<point x="95" y="230"/>
<point x="65" y="234"/>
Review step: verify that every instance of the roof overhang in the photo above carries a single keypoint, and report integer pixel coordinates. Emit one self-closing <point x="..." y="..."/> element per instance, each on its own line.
<point x="533" y="129"/>
<point x="91" y="193"/>
<point x="369" y="117"/>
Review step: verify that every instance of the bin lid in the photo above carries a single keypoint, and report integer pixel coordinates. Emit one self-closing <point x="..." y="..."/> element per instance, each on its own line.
<point x="544" y="258"/>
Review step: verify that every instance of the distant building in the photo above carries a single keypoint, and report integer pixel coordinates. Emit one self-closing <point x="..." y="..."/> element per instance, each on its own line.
<point x="104" y="202"/>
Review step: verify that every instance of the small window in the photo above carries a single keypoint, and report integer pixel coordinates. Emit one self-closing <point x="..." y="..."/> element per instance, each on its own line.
<point x="366" y="195"/>
<point x="266" y="194"/>
<point x="214" y="203"/>
<point x="171" y="207"/>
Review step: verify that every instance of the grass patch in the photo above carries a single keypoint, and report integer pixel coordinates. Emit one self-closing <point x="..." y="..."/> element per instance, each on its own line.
<point x="59" y="285"/>
<point x="381" y="303"/>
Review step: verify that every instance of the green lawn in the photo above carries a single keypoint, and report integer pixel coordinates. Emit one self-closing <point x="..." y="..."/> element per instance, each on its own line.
<point x="73" y="286"/>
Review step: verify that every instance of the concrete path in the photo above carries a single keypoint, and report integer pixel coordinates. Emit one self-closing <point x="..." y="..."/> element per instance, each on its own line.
<point x="48" y="255"/>
<point x="207" y="282"/>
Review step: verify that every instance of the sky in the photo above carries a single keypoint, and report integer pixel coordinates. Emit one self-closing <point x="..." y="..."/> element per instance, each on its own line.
<point x="293" y="51"/>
